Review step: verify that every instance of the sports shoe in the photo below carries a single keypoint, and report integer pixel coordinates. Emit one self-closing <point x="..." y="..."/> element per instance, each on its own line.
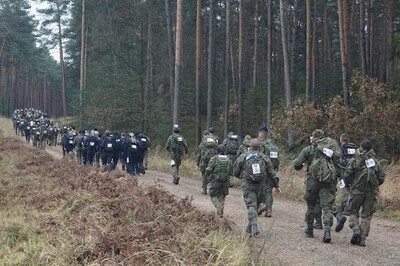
<point x="340" y="223"/>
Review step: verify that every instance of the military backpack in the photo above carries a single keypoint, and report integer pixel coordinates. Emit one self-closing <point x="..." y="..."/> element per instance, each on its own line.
<point x="255" y="168"/>
<point x="221" y="170"/>
<point x="209" y="149"/>
<point x="177" y="143"/>
<point x="232" y="144"/>
<point x="322" y="167"/>
<point x="367" y="178"/>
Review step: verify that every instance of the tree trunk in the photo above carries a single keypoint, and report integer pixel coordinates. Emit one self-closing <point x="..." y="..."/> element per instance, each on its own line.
<point x="286" y="67"/>
<point x="62" y="72"/>
<point x="314" y="54"/>
<point x="198" y="70"/>
<point x="210" y="63"/>
<point x="240" y="67"/>
<point x="149" y="76"/>
<point x="309" y="38"/>
<point x="170" y="53"/>
<point x="389" y="35"/>
<point x="227" y="62"/>
<point x="178" y="50"/>
<point x="343" y="48"/>
<point x="255" y="52"/>
<point x="361" y="40"/>
<point x="269" y="63"/>
<point x="82" y="65"/>
<point x="294" y="51"/>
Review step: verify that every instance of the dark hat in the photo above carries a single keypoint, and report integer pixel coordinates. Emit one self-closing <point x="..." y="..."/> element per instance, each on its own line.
<point x="365" y="145"/>
<point x="263" y="128"/>
<point x="211" y="129"/>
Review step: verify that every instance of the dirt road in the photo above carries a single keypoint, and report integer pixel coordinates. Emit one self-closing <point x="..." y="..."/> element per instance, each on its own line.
<point x="282" y="239"/>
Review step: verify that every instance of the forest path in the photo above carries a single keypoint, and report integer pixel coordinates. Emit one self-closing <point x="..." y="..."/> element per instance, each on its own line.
<point x="281" y="238"/>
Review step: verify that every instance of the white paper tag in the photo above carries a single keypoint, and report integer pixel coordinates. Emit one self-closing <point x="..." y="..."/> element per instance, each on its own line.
<point x="328" y="152"/>
<point x="134" y="146"/>
<point x="210" y="140"/>
<point x="127" y="159"/>
<point x="172" y="162"/>
<point x="28" y="128"/>
<point x="351" y="151"/>
<point x="256" y="168"/>
<point x="341" y="184"/>
<point x="91" y="143"/>
<point x="179" y="139"/>
<point x="71" y="142"/>
<point x="273" y="154"/>
<point x="109" y="145"/>
<point x="370" y="163"/>
<point x="143" y="139"/>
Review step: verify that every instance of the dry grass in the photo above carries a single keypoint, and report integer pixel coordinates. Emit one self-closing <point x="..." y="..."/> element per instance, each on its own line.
<point x="58" y="213"/>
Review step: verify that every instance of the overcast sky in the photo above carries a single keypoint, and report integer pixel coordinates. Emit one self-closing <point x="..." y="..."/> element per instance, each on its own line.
<point x="34" y="6"/>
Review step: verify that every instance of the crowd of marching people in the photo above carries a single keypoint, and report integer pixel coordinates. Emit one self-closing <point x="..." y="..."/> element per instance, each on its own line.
<point x="331" y="167"/>
<point x="88" y="146"/>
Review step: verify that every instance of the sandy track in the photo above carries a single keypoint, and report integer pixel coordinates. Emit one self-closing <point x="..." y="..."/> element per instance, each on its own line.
<point x="282" y="240"/>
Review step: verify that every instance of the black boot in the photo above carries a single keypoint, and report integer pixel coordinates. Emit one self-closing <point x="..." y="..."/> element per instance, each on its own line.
<point x="318" y="224"/>
<point x="355" y="239"/>
<point x="309" y="232"/>
<point x="327" y="236"/>
<point x="340" y="223"/>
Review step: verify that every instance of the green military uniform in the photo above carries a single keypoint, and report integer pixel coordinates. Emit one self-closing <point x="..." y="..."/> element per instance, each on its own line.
<point x="252" y="192"/>
<point x="176" y="154"/>
<point x="271" y="150"/>
<point x="315" y="190"/>
<point x="244" y="147"/>
<point x="218" y="165"/>
<point x="363" y="192"/>
<point x="203" y="157"/>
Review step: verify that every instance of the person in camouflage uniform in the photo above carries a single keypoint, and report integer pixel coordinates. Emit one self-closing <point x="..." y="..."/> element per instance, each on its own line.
<point x="245" y="146"/>
<point x="203" y="156"/>
<point x="217" y="172"/>
<point x="252" y="190"/>
<point x="176" y="146"/>
<point x="231" y="145"/>
<point x="363" y="175"/>
<point x="315" y="190"/>
<point x="269" y="149"/>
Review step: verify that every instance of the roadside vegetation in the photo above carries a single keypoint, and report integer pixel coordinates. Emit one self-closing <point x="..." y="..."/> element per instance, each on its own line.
<point x="59" y="213"/>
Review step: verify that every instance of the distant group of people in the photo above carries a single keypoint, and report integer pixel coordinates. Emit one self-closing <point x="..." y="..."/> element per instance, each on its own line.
<point x="88" y="146"/>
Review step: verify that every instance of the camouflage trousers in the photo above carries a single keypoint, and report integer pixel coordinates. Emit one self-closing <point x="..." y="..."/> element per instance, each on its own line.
<point x="251" y="198"/>
<point x="266" y="199"/>
<point x="367" y="203"/>
<point x="219" y="203"/>
<point x="344" y="195"/>
<point x="326" y="195"/>
<point x="175" y="164"/>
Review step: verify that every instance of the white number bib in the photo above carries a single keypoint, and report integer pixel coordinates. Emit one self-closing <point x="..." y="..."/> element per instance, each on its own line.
<point x="256" y="168"/>
<point x="328" y="152"/>
<point x="143" y="139"/>
<point x="134" y="146"/>
<point x="179" y="139"/>
<point x="273" y="154"/>
<point x="351" y="151"/>
<point x="341" y="184"/>
<point x="91" y="143"/>
<point x="370" y="163"/>
<point x="109" y="145"/>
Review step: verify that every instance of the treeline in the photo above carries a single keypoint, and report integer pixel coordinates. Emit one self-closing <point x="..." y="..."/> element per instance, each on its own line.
<point x="235" y="64"/>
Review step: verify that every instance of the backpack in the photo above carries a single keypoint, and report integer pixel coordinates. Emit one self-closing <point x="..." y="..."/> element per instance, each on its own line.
<point x="255" y="168"/>
<point x="142" y="141"/>
<point x="349" y="150"/>
<point x="322" y="167"/>
<point x="132" y="147"/>
<point x="271" y="150"/>
<point x="177" y="143"/>
<point x="221" y="170"/>
<point x="367" y="178"/>
<point x="232" y="144"/>
<point x="209" y="149"/>
<point x="108" y="144"/>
